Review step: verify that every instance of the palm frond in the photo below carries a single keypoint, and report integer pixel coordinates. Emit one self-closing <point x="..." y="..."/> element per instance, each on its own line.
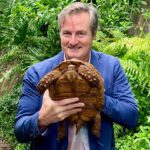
<point x="139" y="80"/>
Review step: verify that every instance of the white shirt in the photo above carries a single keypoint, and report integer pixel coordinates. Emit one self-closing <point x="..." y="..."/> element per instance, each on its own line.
<point x="78" y="141"/>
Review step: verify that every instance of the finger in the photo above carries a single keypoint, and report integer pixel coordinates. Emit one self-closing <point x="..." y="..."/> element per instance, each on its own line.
<point x="71" y="112"/>
<point x="75" y="105"/>
<point x="65" y="108"/>
<point x="67" y="113"/>
<point x="46" y="94"/>
<point x="60" y="102"/>
<point x="68" y="101"/>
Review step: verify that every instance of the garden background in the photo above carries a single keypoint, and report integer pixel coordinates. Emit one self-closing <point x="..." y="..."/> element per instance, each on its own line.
<point x="29" y="34"/>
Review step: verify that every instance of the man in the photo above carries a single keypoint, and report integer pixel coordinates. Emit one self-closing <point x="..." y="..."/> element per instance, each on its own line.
<point x="38" y="116"/>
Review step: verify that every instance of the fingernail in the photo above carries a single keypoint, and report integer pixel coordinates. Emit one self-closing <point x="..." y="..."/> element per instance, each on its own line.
<point x="76" y="98"/>
<point x="82" y="104"/>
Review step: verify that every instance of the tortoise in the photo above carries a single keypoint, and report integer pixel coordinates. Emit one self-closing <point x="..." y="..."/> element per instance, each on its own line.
<point x="75" y="78"/>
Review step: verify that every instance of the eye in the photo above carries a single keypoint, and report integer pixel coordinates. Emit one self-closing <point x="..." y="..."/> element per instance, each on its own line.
<point x="66" y="33"/>
<point x="81" y="34"/>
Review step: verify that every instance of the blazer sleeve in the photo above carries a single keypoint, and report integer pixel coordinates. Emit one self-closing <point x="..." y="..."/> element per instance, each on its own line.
<point x="26" y="121"/>
<point x="121" y="106"/>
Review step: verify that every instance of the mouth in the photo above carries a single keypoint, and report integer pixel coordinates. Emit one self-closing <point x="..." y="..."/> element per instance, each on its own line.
<point x="74" y="48"/>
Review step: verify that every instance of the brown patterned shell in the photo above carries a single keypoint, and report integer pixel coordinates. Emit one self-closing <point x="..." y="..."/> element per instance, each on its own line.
<point x="74" y="78"/>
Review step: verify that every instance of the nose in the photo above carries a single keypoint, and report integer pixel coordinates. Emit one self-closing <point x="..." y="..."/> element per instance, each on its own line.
<point x="73" y="40"/>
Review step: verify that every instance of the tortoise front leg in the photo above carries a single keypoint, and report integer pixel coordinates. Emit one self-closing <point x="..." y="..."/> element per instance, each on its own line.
<point x="89" y="75"/>
<point x="48" y="79"/>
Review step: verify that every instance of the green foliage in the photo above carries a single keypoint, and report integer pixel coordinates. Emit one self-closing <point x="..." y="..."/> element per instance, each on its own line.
<point x="115" y="45"/>
<point x="137" y="65"/>
<point x="117" y="14"/>
<point x="139" y="141"/>
<point x="8" y="109"/>
<point x="30" y="20"/>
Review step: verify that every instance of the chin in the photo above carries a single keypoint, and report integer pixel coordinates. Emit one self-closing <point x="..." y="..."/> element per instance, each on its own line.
<point x="73" y="56"/>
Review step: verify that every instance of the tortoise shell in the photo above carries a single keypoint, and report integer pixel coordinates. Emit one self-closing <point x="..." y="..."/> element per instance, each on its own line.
<point x="75" y="78"/>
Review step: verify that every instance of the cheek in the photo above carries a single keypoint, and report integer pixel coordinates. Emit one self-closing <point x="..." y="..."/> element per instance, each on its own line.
<point x="64" y="41"/>
<point x="87" y="42"/>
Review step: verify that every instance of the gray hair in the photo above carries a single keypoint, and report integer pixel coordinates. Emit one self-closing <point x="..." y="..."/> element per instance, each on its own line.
<point x="79" y="7"/>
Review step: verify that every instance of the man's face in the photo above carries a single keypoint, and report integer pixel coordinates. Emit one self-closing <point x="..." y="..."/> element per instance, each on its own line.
<point x="76" y="36"/>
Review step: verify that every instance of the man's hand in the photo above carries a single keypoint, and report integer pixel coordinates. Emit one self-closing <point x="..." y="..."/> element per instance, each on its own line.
<point x="54" y="111"/>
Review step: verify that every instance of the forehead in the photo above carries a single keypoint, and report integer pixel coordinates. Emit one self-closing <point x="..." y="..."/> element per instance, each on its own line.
<point x="76" y="21"/>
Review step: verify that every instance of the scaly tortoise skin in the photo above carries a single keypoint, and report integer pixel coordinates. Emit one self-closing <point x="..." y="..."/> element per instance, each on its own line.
<point x="74" y="78"/>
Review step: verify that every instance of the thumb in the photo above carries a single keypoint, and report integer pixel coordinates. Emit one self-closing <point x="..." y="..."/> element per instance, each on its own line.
<point x="46" y="96"/>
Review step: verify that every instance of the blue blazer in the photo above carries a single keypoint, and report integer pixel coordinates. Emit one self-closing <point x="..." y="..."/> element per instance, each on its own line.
<point x="119" y="107"/>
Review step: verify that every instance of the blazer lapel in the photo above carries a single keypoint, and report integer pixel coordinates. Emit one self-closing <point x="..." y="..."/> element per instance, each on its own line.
<point x="58" y="59"/>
